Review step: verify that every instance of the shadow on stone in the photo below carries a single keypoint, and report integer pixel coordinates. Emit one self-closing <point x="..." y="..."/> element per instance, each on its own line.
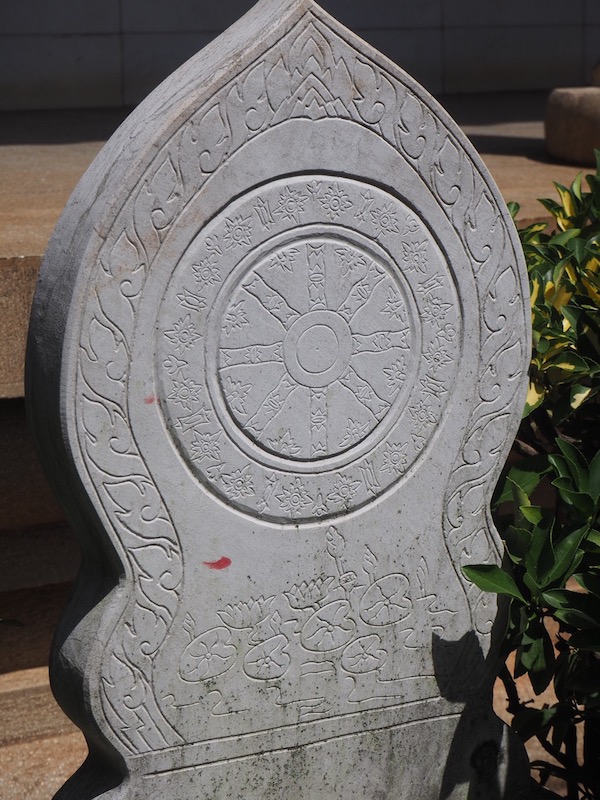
<point x="484" y="753"/>
<point x="103" y="769"/>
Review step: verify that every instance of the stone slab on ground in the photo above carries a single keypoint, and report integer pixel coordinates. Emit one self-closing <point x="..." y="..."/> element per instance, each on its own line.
<point x="17" y="283"/>
<point x="573" y="124"/>
<point x="278" y="354"/>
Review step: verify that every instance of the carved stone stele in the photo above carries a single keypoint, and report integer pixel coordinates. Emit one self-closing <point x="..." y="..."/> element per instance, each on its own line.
<point x="277" y="357"/>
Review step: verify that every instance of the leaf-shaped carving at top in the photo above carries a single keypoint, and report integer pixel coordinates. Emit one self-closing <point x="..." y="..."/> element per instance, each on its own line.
<point x="483" y="228"/>
<point x="376" y="94"/>
<point x="253" y="95"/>
<point x="310" y="52"/>
<point x="411" y="126"/>
<point x="165" y="188"/>
<point x="342" y="85"/>
<point x="213" y="137"/>
<point x="279" y="85"/>
<point x="446" y="172"/>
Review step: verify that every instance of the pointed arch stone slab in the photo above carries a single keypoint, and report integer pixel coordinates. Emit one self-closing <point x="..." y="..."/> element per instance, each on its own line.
<point x="277" y="357"/>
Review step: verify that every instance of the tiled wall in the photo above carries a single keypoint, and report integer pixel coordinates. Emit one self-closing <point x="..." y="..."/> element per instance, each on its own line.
<point x="77" y="53"/>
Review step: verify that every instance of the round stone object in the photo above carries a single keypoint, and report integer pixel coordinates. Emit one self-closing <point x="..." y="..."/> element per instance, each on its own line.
<point x="573" y="124"/>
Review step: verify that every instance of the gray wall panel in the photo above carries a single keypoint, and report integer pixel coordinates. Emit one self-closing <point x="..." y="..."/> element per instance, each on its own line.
<point x="60" y="71"/>
<point x="23" y="17"/>
<point x="419" y="52"/>
<point x="448" y="45"/>
<point x="510" y="59"/>
<point x="518" y="13"/>
<point x="148" y="58"/>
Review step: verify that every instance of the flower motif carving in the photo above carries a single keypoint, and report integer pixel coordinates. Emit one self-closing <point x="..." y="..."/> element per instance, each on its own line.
<point x="345" y="622"/>
<point x="207" y="655"/>
<point x="329" y="628"/>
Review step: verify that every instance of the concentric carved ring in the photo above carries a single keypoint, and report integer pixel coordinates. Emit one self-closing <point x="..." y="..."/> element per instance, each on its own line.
<point x="309" y="340"/>
<point x="306" y="331"/>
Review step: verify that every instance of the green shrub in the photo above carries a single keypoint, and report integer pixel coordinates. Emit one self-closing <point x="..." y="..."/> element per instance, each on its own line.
<point x="547" y="504"/>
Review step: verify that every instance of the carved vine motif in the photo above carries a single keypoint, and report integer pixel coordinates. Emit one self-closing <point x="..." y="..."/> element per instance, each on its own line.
<point x="349" y="626"/>
<point x="311" y="73"/>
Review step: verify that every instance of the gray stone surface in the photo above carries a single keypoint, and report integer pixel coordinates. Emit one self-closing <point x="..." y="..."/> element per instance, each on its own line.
<point x="277" y="356"/>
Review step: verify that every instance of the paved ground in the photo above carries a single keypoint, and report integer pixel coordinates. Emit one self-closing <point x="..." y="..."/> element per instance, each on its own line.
<point x="42" y="155"/>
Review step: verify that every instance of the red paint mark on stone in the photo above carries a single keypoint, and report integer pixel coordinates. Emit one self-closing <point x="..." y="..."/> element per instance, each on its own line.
<point x="222" y="563"/>
<point x="150" y="399"/>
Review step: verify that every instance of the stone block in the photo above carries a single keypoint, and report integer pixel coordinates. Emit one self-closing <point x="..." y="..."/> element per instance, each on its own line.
<point x="25" y="497"/>
<point x="573" y="124"/>
<point x="33" y="614"/>
<point x="17" y="283"/>
<point x="278" y="353"/>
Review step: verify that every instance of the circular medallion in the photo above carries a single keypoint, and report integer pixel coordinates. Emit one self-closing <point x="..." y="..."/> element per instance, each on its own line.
<point x="297" y="346"/>
<point x="307" y="342"/>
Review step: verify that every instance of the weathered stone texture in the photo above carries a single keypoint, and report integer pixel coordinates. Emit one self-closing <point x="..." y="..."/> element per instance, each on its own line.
<point x="277" y="354"/>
